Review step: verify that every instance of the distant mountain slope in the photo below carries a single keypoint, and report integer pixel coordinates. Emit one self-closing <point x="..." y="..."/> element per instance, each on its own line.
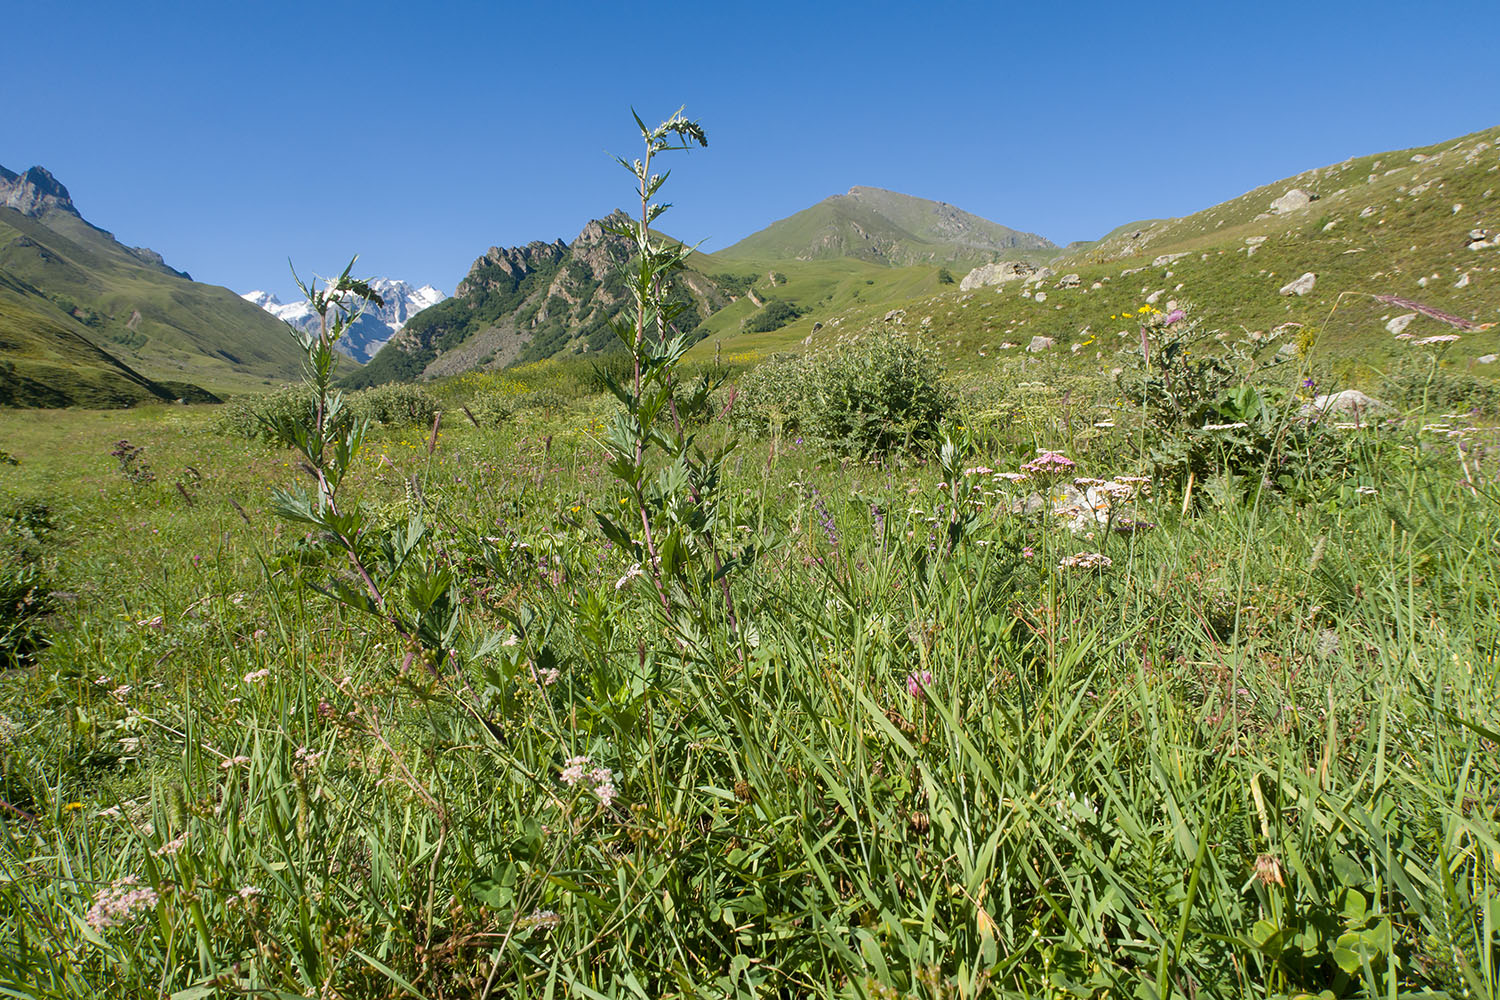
<point x="885" y="227"/>
<point x="65" y="279"/>
<point x="1340" y="258"/>
<point x="532" y="302"/>
<point x="374" y="327"/>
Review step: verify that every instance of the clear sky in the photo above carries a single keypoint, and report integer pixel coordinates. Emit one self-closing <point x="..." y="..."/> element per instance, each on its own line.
<point x="231" y="136"/>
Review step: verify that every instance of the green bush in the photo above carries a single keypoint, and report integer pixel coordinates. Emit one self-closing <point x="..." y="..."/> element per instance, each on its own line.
<point x="773" y="316"/>
<point x="769" y="398"/>
<point x="866" y="398"/>
<point x="246" y="416"/>
<point x="395" y="403"/>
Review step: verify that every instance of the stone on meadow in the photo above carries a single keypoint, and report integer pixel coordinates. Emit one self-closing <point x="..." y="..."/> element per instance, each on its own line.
<point x="1399" y="324"/>
<point x="1293" y="201"/>
<point x="1300" y="286"/>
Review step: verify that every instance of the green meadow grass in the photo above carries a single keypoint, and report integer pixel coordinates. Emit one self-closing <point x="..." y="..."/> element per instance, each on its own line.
<point x="1255" y="756"/>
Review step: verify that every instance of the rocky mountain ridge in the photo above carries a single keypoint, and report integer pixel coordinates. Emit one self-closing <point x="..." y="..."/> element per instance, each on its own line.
<point x="530" y="302"/>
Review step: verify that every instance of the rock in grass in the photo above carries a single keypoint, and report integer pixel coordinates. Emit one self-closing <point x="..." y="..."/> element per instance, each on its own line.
<point x="1300" y="286"/>
<point x="1039" y="344"/>
<point x="1399" y="324"/>
<point x="1350" y="402"/>
<point x="1294" y="200"/>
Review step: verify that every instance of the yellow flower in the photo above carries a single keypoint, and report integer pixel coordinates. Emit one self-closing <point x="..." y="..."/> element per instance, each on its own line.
<point x="73" y="807"/>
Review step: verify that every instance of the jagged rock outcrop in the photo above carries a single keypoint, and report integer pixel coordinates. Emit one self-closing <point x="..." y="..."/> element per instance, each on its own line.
<point x="34" y="192"/>
<point x="532" y="302"/>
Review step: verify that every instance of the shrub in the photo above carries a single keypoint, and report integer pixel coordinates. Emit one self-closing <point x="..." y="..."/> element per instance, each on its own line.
<point x="874" y="396"/>
<point x="769" y="400"/>
<point x="25" y="593"/>
<point x="773" y="316"/>
<point x="396" y="403"/>
<point x="944" y="276"/>
<point x="247" y="416"/>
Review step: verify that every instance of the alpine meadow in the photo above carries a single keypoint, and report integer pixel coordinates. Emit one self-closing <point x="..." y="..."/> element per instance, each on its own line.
<point x="892" y="604"/>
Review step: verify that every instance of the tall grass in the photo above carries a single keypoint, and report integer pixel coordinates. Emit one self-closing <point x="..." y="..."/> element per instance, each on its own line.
<point x="1254" y="756"/>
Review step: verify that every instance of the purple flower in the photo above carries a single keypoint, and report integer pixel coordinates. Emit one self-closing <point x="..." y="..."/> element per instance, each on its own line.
<point x="1308" y="383"/>
<point x="918" y="681"/>
<point x="1174" y="316"/>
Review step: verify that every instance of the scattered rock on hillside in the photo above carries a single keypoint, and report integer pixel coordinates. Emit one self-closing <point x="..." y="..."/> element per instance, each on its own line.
<point x="1039" y="274"/>
<point x="1300" y="286"/>
<point x="1463" y="281"/>
<point x="1041" y="296"/>
<point x="1039" y="344"/>
<point x="1400" y="323"/>
<point x="1069" y="281"/>
<point x="1350" y="402"/>
<point x="995" y="274"/>
<point x="1487" y="359"/>
<point x="1293" y="201"/>
<point x="1167" y="258"/>
<point x="1479" y="239"/>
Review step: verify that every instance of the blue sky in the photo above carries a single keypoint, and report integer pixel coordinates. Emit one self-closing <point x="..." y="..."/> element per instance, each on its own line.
<point x="230" y="137"/>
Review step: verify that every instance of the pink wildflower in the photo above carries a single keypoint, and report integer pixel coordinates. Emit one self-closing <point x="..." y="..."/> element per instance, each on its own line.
<point x="119" y="902"/>
<point x="918" y="681"/>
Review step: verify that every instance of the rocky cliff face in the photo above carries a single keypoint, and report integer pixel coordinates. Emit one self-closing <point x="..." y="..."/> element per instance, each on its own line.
<point x="34" y="192"/>
<point x="531" y="302"/>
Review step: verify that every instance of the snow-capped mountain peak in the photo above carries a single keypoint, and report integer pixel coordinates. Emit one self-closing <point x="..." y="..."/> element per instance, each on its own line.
<point x="374" y="327"/>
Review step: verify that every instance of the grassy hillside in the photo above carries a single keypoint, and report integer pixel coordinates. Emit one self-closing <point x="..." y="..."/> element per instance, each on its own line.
<point x="45" y="360"/>
<point x="151" y="318"/>
<point x="1392" y="224"/>
<point x="884" y="227"/>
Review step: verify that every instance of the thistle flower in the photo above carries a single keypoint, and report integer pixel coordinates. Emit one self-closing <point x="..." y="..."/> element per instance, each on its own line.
<point x="917" y="682"/>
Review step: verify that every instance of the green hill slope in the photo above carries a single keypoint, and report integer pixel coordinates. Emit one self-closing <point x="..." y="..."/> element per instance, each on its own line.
<point x="1421" y="225"/>
<point x="885" y="227"/>
<point x="65" y="279"/>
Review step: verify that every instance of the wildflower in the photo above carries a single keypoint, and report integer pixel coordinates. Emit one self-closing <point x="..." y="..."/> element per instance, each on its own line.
<point x="1442" y="338"/>
<point x="1268" y="871"/>
<point x="917" y="682"/>
<point x="256" y="676"/>
<point x="545" y="678"/>
<point x="1173" y="317"/>
<point x="1049" y="462"/>
<point x="604" y="786"/>
<point x="1012" y="477"/>
<point x="572" y="772"/>
<point x="308" y="757"/>
<point x="545" y="919"/>
<point x="119" y="902"/>
<point x="979" y="470"/>
<point x="229" y="762"/>
<point x="73" y="807"/>
<point x="171" y="847"/>
<point x="1028" y="553"/>
<point x="630" y="574"/>
<point x="1086" y="560"/>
